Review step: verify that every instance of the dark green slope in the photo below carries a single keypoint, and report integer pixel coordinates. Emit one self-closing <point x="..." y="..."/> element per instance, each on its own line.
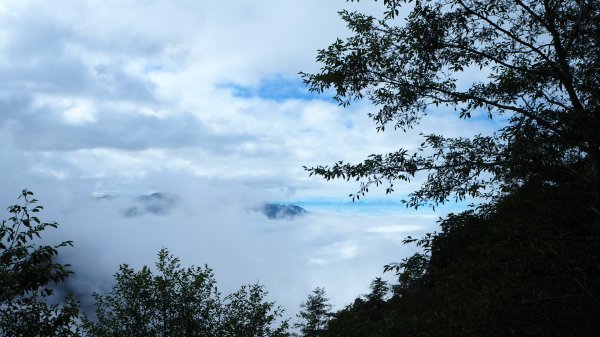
<point x="526" y="265"/>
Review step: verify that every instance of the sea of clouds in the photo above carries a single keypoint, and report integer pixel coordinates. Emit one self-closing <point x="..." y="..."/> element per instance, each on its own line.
<point x="104" y="102"/>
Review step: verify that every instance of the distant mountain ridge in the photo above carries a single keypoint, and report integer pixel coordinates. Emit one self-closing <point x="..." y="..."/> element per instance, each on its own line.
<point x="155" y="203"/>
<point x="161" y="204"/>
<point x="280" y="211"/>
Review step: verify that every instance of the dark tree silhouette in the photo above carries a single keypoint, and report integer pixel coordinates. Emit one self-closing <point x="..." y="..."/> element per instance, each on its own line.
<point x="539" y="62"/>
<point x="314" y="314"/>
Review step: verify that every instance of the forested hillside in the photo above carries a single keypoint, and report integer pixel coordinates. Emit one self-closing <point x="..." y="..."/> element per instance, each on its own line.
<point x="526" y="265"/>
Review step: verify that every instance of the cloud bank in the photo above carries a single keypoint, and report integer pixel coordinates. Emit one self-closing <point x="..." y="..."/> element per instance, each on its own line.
<point x="201" y="103"/>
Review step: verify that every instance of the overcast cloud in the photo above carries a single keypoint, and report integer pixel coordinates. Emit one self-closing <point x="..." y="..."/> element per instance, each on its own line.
<point x="201" y="101"/>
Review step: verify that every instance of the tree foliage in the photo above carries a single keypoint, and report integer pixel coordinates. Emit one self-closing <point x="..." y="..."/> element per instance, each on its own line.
<point x="526" y="261"/>
<point x="367" y="316"/>
<point x="314" y="314"/>
<point x="246" y="313"/>
<point x="177" y="301"/>
<point x="538" y="63"/>
<point x="27" y="271"/>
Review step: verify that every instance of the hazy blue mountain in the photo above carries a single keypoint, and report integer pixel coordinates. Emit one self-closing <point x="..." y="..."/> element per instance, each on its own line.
<point x="155" y="203"/>
<point x="279" y="211"/>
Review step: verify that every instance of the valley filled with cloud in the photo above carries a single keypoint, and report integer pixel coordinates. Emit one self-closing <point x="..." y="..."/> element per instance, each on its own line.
<point x="145" y="124"/>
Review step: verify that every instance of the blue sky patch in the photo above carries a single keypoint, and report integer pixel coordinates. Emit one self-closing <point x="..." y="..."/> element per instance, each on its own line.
<point x="372" y="206"/>
<point x="278" y="88"/>
<point x="157" y="68"/>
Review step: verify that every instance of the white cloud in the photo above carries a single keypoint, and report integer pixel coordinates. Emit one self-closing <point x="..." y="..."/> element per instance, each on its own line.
<point x="395" y="229"/>
<point x="80" y="113"/>
<point x="134" y="97"/>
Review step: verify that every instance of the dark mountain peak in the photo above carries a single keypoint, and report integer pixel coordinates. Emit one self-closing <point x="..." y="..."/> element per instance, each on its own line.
<point x="280" y="211"/>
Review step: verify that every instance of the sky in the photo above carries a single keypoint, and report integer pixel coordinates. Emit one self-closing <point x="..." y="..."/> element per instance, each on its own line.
<point x="104" y="102"/>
